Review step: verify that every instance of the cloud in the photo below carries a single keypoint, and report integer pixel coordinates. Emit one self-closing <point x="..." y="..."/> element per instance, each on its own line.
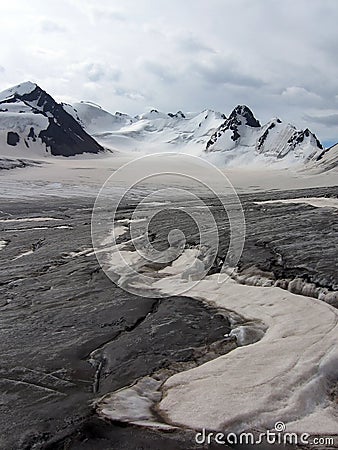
<point x="129" y="94"/>
<point x="329" y="120"/>
<point x="98" y="71"/>
<point x="300" y="96"/>
<point x="107" y="14"/>
<point x="49" y="26"/>
<point x="191" y="44"/>
<point x="222" y="72"/>
<point x="94" y="71"/>
<point x="161" y="71"/>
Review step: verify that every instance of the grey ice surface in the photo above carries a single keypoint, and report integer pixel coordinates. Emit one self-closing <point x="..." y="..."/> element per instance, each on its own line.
<point x="57" y="309"/>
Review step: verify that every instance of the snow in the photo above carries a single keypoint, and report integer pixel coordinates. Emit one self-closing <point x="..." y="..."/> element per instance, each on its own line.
<point x="85" y="176"/>
<point x="21" y="230"/>
<point x="97" y="120"/>
<point x="185" y="261"/>
<point x="329" y="161"/>
<point x="133" y="402"/>
<point x="29" y="219"/>
<point x="158" y="131"/>
<point x="274" y="142"/>
<point x="151" y="132"/>
<point x="29" y="252"/>
<point x="3" y="244"/>
<point x="284" y="376"/>
<point x="20" y="118"/>
<point x="20" y="89"/>
<point x="318" y="202"/>
<point x="78" y="253"/>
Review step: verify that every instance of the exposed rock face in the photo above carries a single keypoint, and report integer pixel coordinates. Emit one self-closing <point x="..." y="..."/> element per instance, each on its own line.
<point x="179" y="114"/>
<point x="12" y="138"/>
<point x="32" y="115"/>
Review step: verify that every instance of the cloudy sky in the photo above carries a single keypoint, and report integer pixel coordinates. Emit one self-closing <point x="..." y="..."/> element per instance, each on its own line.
<point x="278" y="57"/>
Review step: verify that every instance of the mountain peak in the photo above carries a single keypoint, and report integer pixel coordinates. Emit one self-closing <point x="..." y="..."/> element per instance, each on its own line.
<point x="41" y="121"/>
<point x="20" y="89"/>
<point x="274" y="140"/>
<point x="243" y="111"/>
<point x="241" y="116"/>
<point x="178" y="115"/>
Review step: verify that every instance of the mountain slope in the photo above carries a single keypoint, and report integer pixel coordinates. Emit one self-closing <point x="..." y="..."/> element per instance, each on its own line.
<point x="326" y="160"/>
<point x="242" y="136"/>
<point x="95" y="119"/>
<point x="151" y="131"/>
<point x="30" y="119"/>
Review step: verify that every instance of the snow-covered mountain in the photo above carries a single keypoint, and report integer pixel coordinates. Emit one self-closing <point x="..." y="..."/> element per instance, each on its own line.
<point x="95" y="119"/>
<point x="241" y="139"/>
<point x="151" y="131"/>
<point x="32" y="123"/>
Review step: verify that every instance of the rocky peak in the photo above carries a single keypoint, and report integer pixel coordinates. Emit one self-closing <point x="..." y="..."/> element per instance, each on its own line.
<point x="178" y="115"/>
<point x="243" y="112"/>
<point x="241" y="115"/>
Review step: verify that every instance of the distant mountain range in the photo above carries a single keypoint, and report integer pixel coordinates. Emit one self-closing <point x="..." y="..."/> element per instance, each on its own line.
<point x="33" y="124"/>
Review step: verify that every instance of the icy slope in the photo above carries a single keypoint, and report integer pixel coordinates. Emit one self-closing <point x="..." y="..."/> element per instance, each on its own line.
<point x="97" y="120"/>
<point x="326" y="160"/>
<point x="155" y="130"/>
<point x="33" y="124"/>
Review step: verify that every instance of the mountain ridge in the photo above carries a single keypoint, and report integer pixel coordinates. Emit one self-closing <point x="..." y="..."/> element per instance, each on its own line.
<point x="30" y="116"/>
<point x="241" y="130"/>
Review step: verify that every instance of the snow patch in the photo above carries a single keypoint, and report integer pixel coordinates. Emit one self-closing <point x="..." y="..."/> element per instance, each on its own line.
<point x="318" y="202"/>
<point x="3" y="244"/>
<point x="29" y="252"/>
<point x="285" y="376"/>
<point x="29" y="219"/>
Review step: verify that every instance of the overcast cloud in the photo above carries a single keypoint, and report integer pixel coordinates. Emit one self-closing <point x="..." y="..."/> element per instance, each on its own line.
<point x="278" y="57"/>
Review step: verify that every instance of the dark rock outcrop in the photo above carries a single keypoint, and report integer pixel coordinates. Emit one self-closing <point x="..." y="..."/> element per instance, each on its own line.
<point x="12" y="138"/>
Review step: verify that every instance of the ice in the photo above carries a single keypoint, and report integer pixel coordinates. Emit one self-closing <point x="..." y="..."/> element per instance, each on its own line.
<point x="77" y="253"/>
<point x="179" y="266"/>
<point x="3" y="244"/>
<point x="29" y="252"/>
<point x="284" y="376"/>
<point x="29" y="219"/>
<point x="318" y="202"/>
<point x="133" y="403"/>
